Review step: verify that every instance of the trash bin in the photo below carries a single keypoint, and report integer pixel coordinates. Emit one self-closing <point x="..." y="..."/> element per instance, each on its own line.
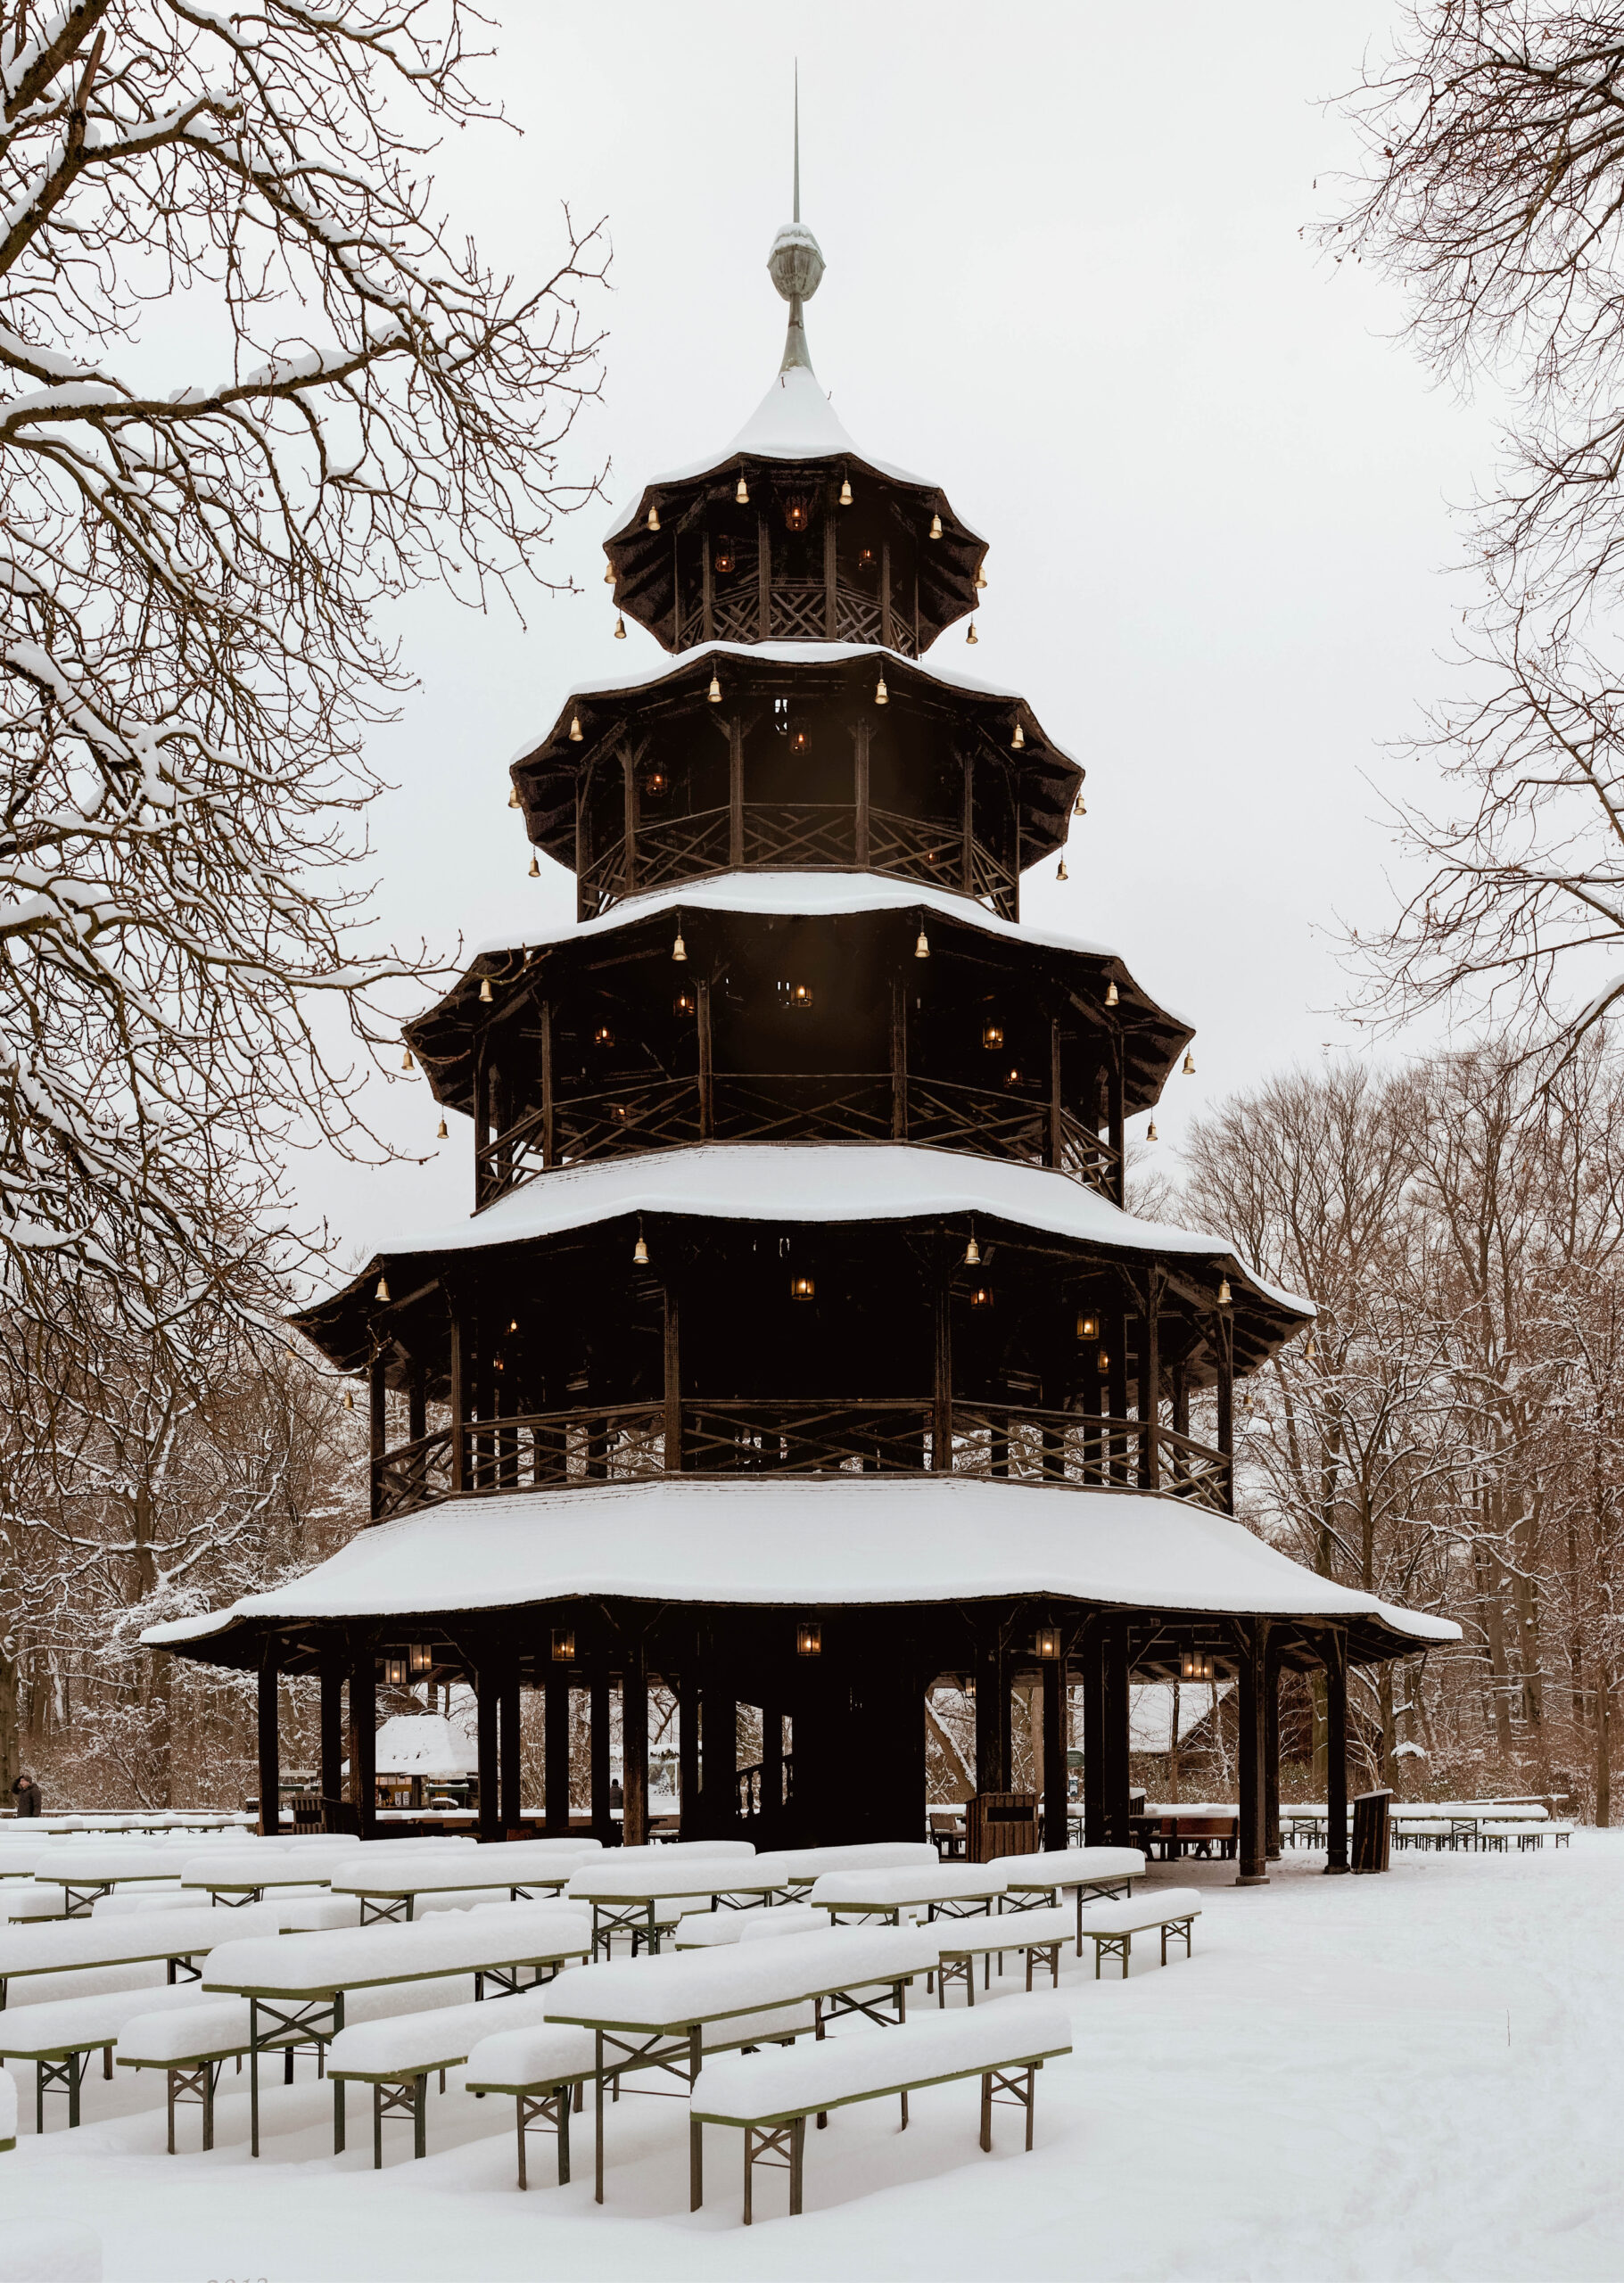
<point x="1371" y="1831"/>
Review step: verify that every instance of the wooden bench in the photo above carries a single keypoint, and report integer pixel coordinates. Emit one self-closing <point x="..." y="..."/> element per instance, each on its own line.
<point x="190" y="2048"/>
<point x="770" y="2097"/>
<point x="397" y="2059"/>
<point x="1112" y="1925"/>
<point x="60" y="2037"/>
<point x="1036" y="1933"/>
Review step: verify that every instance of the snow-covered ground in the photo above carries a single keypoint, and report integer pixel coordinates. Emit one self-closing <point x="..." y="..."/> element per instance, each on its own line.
<point x="1417" y="2076"/>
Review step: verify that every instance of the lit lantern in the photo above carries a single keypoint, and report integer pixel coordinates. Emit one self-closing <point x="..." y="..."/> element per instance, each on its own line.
<point x="1046" y="1642"/>
<point x="722" y="560"/>
<point x="809" y="1639"/>
<point x="684" y="1005"/>
<point x="800" y="742"/>
<point x="563" y="1647"/>
<point x="1011" y="1077"/>
<point x="982" y="1297"/>
<point x="865" y="558"/>
<point x="396" y="1672"/>
<point x="1193" y="1665"/>
<point x="796" y="514"/>
<point x="992" y="1035"/>
<point x="1088" y="1327"/>
<point x="802" y="1288"/>
<point x="800" y="996"/>
<point x="420" y="1658"/>
<point x="603" y="1036"/>
<point x="1102" y="1362"/>
<point x="655" y="784"/>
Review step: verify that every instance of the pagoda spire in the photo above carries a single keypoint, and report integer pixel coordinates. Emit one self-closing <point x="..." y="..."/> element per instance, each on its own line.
<point x="795" y="264"/>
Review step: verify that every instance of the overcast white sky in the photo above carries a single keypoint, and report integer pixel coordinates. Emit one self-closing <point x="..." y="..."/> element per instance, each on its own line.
<point x="1066" y="279"/>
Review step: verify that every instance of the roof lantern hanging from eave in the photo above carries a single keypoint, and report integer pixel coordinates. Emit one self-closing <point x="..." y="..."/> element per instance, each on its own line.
<point x="443" y="1038"/>
<point x="592" y="720"/>
<point x="793" y="440"/>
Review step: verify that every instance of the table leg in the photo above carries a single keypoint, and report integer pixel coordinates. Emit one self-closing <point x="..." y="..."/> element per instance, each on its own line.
<point x="986" y="2111"/>
<point x="254" y="2080"/>
<point x="598" y="2192"/>
<point x="797" y="2157"/>
<point x="211" y="2070"/>
<point x="695" y="2130"/>
<point x="420" y="2125"/>
<point x="338" y="2083"/>
<point x="562" y="2099"/>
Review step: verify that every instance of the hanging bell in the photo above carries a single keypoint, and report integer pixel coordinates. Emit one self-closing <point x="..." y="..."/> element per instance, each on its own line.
<point x="1151" y="1131"/>
<point x="882" y="695"/>
<point x="1079" y="807"/>
<point x="1060" y="872"/>
<point x="1111" y="992"/>
<point x="935" y="527"/>
<point x="921" y="950"/>
<point x="742" y="495"/>
<point x="609" y="575"/>
<point x="972" y="1254"/>
<point x="1189" y="1064"/>
<point x="1018" y="740"/>
<point x="406" y="1062"/>
<point x="382" y="1291"/>
<point x="679" y="949"/>
<point x="846" y="492"/>
<point x="639" y="1251"/>
<point x="1311" y="1350"/>
<point x="619" y="629"/>
<point x="486" y="994"/>
<point x="574" y="729"/>
<point x="654" y="519"/>
<point x="981" y="580"/>
<point x="1225" y="1295"/>
<point x="439" y="1131"/>
<point x="513" y="796"/>
<point x="535" y="868"/>
<point x="972" y="636"/>
<point x="715" y="691"/>
<point x="348" y="1398"/>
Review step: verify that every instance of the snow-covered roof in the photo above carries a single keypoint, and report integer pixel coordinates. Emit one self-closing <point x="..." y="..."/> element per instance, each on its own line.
<point x="823" y="1182"/>
<point x="644" y="678"/>
<point x="859" y="1541"/>
<point x="423" y="1744"/>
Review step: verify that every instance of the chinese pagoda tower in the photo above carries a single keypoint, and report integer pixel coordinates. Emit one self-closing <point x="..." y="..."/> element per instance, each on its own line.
<point x="800" y="1351"/>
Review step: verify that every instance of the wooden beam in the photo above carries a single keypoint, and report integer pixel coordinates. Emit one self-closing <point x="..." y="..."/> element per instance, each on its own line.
<point x="1114" y="1120"/>
<point x="773" y="1768"/>
<point x="708" y="577"/>
<point x="1224" y="1349"/>
<point x="691" y="1821"/>
<point x="992" y="1718"/>
<point x="859" y="791"/>
<point x="511" y="1809"/>
<point x="1335" y="1751"/>
<point x="1056" y="1804"/>
<point x="701" y="1010"/>
<point x="831" y="624"/>
<point x="1270" y="1749"/>
<point x="634" y="1743"/>
<point x="967" y="826"/>
<point x="586" y="903"/>
<point x="942" y="1411"/>
<point x="628" y="824"/>
<point x="899" y="1058"/>
<point x="457" y="1367"/>
<point x="1149" y="1382"/>
<point x="718" y="1747"/>
<point x="549" y="1149"/>
<point x="1251" y="1644"/>
<point x="603" y="1821"/>
<point x="270" y="1746"/>
<point x="487" y="1748"/>
<point x="331" y="1728"/>
<point x="1055" y="1153"/>
<point x="885" y="630"/>
<point x="376" y="1393"/>
<point x="736" y="792"/>
<point x="763" y="577"/>
<point x="364" y="1738"/>
<point x="672" y="1355"/>
<point x="1092" y="1660"/>
<point x="557" y="1745"/>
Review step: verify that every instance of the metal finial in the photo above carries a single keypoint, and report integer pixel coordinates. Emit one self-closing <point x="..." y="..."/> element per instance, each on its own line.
<point x="797" y="211"/>
<point x="795" y="262"/>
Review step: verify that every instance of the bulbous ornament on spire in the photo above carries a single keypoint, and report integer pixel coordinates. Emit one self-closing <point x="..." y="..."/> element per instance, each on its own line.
<point x="795" y="264"/>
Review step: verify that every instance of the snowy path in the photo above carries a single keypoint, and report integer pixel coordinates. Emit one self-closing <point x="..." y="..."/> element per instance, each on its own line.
<point x="1420" y="2075"/>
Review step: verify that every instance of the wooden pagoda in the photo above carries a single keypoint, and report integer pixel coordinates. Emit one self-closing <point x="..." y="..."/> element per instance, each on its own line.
<point x="800" y="1351"/>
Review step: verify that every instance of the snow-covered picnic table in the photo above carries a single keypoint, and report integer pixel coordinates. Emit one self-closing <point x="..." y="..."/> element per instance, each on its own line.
<point x="299" y="1984"/>
<point x="625" y="1896"/>
<point x="803" y="1866"/>
<point x="146" y="1938"/>
<point x="653" y="2012"/>
<point x="247" y="1871"/>
<point x="390" y="1881"/>
<point x="941" y="1889"/>
<point x="1036" y="1882"/>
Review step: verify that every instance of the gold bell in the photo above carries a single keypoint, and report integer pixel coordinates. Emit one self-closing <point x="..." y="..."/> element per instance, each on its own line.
<point x="486" y="994"/>
<point x="439" y="1131"/>
<point x="512" y="797"/>
<point x="921" y="950"/>
<point x="1189" y="1065"/>
<point x="574" y="729"/>
<point x="882" y="695"/>
<point x="535" y="868"/>
<point x="382" y="1291"/>
<point x="1111" y="994"/>
<point x="406" y="1060"/>
<point x="972" y="636"/>
<point x="679" y="949"/>
<point x="654" y="519"/>
<point x="972" y="1254"/>
<point x="715" y="691"/>
<point x="639" y="1252"/>
<point x="619" y="629"/>
<point x="935" y="527"/>
<point x="348" y="1398"/>
<point x="1225" y="1295"/>
<point x="609" y="575"/>
<point x="981" y="580"/>
<point x="846" y="492"/>
<point x="1019" y="739"/>
<point x="1079" y="807"/>
<point x="742" y="495"/>
<point x="1060" y="872"/>
<point x="1151" y="1131"/>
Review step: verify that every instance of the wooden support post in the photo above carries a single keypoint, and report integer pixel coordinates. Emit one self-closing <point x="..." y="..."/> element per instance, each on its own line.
<point x="603" y="1826"/>
<point x="673" y="1382"/>
<point x="1114" y="1124"/>
<point x="512" y="1805"/>
<point x="628" y="824"/>
<point x="1150" y="1383"/>
<point x="1180" y="1399"/>
<point x="773" y="1768"/>
<point x="1224" y="1347"/>
<point x="1093" y="1733"/>
<point x="1118" y="1384"/>
<point x="549" y="1155"/>
<point x="331" y="1730"/>
<point x="586" y="901"/>
<point x="1335" y="1751"/>
<point x="942" y="1410"/>
<point x="487" y="1750"/>
<point x="763" y="577"/>
<point x="1118" y="1832"/>
<point x="1054" y="1152"/>
<point x="718" y="1747"/>
<point x="1270" y="1751"/>
<point x="377" y="1411"/>
<point x="967" y="826"/>
<point x="885" y="629"/>
<point x="707" y="1085"/>
<point x="831" y="621"/>
<point x="691" y="1819"/>
<point x="634" y="1743"/>
<point x="556" y="1751"/>
<point x="364" y="1739"/>
<point x="1056" y="1807"/>
<point x="992" y="1720"/>
<point x="1252" y="1648"/>
<point x="270" y="1746"/>
<point x="708" y="586"/>
<point x="736" y="792"/>
<point x="457" y="1373"/>
<point x="860" y="792"/>
<point x="899" y="1058"/>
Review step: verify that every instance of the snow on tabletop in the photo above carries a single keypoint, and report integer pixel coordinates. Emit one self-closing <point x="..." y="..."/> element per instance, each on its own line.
<point x="712" y="1930"/>
<point x="410" y="2043"/>
<point x="449" y="1942"/>
<point x="64" y="2022"/>
<point x="889" y="1889"/>
<point x="866" y="1855"/>
<point x="686" y="1851"/>
<point x="21" y="1905"/>
<point x="609" y="1880"/>
<point x="738" y="2087"/>
<point x="1010" y="1931"/>
<point x="422" y="1869"/>
<point x="154" y="2037"/>
<point x="1149" y="1907"/>
<point x="79" y="1942"/>
<point x="515" y="2058"/>
<point x="746" y="1977"/>
<point x="131" y="1902"/>
<point x="238" y="1868"/>
<point x="1069" y="1866"/>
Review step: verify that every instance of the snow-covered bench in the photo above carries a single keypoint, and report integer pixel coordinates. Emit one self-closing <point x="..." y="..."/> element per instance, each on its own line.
<point x="942" y="1890"/>
<point x="770" y="2097"/>
<point x="175" y="1938"/>
<point x="709" y="1930"/>
<point x="397" y="2057"/>
<point x="1032" y="1882"/>
<point x="60" y="2036"/>
<point x="627" y="1897"/>
<point x="1034" y="1934"/>
<point x="398" y="1881"/>
<point x="1112" y="1925"/>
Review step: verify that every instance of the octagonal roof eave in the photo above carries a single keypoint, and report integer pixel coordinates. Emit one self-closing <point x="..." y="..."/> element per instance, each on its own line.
<point x="849" y="1541"/>
<point x="637" y="681"/>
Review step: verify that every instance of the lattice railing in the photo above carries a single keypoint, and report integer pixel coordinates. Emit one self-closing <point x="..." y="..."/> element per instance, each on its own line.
<point x="797" y="611"/>
<point x="413" y="1475"/>
<point x="802" y="835"/>
<point x="782" y="1106"/>
<point x="1017" y="1444"/>
<point x="778" y="1436"/>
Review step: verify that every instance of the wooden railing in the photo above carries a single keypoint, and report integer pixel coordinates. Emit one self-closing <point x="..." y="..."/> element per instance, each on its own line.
<point x="641" y="1113"/>
<point x="750" y="1782"/>
<point x="797" y="611"/>
<point x="779" y="1435"/>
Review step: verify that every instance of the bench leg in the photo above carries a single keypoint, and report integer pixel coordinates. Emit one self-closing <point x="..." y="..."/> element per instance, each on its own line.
<point x="211" y="2070"/>
<point x="817" y="2035"/>
<point x="749" y="2172"/>
<point x="797" y="2160"/>
<point x="561" y="2098"/>
<point x="597" y="2184"/>
<point x="377" y="2128"/>
<point x="107" y="2063"/>
<point x="420" y="2127"/>
<point x="168" y="2075"/>
<point x="695" y="2130"/>
<point x="287" y="2067"/>
<point x="986" y="2110"/>
<point x="518" y="2112"/>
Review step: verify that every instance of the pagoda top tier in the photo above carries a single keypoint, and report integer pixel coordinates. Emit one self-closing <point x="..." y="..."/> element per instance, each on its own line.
<point x="793" y="532"/>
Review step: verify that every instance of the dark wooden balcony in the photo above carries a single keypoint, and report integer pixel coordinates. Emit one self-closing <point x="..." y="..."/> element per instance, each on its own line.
<point x="636" y="1115"/>
<point x="799" y="611"/>
<point x="721" y="1438"/>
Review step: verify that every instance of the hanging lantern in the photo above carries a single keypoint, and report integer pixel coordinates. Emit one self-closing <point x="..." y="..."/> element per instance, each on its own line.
<point x="684" y="1005"/>
<point x="654" y="519"/>
<point x="714" y="692"/>
<point x="603" y="1036"/>
<point x="1088" y="1327"/>
<point x="395" y="1672"/>
<point x="534" y="872"/>
<point x="1224" y="1296"/>
<point x="1151" y="1131"/>
<point x="972" y="1253"/>
<point x="620" y="628"/>
<point x="406" y="1062"/>
<point x="800" y="997"/>
<point x="1018" y="741"/>
<point x="420" y="1658"/>
<point x="1112" y="996"/>
<point x="882" y="695"/>
<point x="655" y="784"/>
<point x="809" y="1639"/>
<point x="574" y="729"/>
<point x="639" y="1251"/>
<point x="679" y="949"/>
<point x="512" y="797"/>
<point x="348" y="1398"/>
<point x="992" y="1035"/>
<point x="382" y="1291"/>
<point x="798" y="514"/>
<point x="921" y="949"/>
<point x="1189" y="1064"/>
<point x="935" y="527"/>
<point x="802" y="1288"/>
<point x="845" y="490"/>
<point x="800" y="742"/>
<point x="1103" y="1362"/>
<point x="1046" y="1643"/>
<point x="982" y="1297"/>
<point x="1194" y="1665"/>
<point x="742" y="493"/>
<point x="972" y="636"/>
<point x="865" y="558"/>
<point x="1060" y="872"/>
<point x="1011" y="1077"/>
<point x="486" y="994"/>
<point x="563" y="1647"/>
<point x="439" y="1131"/>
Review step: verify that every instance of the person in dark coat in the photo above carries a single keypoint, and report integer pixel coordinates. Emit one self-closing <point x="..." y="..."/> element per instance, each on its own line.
<point x="26" y="1793"/>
